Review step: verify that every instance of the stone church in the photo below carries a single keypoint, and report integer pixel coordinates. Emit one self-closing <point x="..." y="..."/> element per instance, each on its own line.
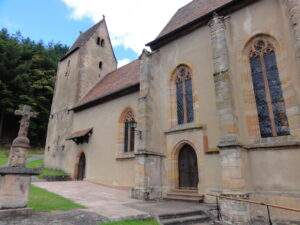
<point x="214" y="107"/>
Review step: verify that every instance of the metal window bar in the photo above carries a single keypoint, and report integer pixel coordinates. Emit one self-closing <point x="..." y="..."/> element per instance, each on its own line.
<point x="267" y="205"/>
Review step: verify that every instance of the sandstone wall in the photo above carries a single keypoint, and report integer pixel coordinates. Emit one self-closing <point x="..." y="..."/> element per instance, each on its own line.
<point x="104" y="163"/>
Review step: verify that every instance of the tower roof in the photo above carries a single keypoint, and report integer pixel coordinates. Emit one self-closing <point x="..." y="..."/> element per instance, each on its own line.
<point x="82" y="39"/>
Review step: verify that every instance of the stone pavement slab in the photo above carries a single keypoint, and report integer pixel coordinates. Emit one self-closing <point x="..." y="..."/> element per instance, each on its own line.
<point x="74" y="217"/>
<point x="106" y="201"/>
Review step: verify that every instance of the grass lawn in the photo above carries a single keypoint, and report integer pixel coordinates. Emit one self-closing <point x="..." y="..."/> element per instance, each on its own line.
<point x="35" y="164"/>
<point x="133" y="222"/>
<point x="42" y="200"/>
<point x="3" y="158"/>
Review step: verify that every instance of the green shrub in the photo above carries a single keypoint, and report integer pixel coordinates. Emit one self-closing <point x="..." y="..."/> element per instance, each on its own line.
<point x="54" y="175"/>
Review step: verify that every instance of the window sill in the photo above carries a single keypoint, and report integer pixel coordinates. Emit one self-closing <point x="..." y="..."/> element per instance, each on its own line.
<point x="275" y="143"/>
<point x="184" y="127"/>
<point x="125" y="155"/>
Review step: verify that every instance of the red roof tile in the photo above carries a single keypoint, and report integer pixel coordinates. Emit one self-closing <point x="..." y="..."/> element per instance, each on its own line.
<point x="117" y="80"/>
<point x="191" y="12"/>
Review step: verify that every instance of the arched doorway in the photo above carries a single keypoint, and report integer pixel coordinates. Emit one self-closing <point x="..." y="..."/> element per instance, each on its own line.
<point x="81" y="167"/>
<point x="188" y="168"/>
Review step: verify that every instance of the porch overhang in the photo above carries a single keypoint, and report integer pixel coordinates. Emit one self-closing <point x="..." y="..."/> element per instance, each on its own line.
<point x="81" y="136"/>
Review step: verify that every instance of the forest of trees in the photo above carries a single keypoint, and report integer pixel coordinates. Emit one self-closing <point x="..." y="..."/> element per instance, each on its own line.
<point x="27" y="76"/>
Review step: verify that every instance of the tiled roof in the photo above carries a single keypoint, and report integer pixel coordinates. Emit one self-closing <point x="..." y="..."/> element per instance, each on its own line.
<point x="191" y="12"/>
<point x="123" y="77"/>
<point x="82" y="39"/>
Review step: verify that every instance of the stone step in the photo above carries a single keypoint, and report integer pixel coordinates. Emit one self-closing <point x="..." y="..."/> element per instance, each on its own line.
<point x="184" y="196"/>
<point x="185" y="190"/>
<point x="186" y="220"/>
<point x="181" y="214"/>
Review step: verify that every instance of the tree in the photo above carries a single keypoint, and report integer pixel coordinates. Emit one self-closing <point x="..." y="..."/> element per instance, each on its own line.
<point x="27" y="74"/>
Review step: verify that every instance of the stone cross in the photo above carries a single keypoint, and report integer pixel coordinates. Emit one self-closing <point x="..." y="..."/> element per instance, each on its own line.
<point x="26" y="113"/>
<point x="17" y="156"/>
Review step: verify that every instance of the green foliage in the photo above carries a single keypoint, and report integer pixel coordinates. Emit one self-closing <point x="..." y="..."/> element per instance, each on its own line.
<point x="133" y="222"/>
<point x="3" y="158"/>
<point x="27" y="76"/>
<point x="47" y="172"/>
<point x="35" y="164"/>
<point x="42" y="200"/>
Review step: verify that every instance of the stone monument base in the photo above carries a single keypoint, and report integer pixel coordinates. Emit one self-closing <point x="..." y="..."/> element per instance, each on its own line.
<point x="14" y="186"/>
<point x="15" y="212"/>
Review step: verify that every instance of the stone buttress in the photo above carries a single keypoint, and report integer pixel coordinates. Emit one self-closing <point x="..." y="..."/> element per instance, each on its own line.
<point x="233" y="156"/>
<point x="148" y="165"/>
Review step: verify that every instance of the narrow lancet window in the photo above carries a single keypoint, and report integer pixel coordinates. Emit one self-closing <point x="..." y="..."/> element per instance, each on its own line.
<point x="129" y="126"/>
<point x="184" y="95"/>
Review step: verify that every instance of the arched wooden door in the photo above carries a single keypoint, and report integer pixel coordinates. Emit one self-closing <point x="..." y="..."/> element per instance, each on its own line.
<point x="81" y="167"/>
<point x="188" y="168"/>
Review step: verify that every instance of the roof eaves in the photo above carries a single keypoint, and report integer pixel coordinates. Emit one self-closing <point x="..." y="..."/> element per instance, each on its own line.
<point x="68" y="54"/>
<point x="108" y="97"/>
<point x="191" y="26"/>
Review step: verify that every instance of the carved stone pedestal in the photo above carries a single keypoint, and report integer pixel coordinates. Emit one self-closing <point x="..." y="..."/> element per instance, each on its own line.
<point x="15" y="178"/>
<point x="14" y="186"/>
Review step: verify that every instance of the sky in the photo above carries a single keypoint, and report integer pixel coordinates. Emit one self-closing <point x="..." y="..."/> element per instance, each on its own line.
<point x="131" y="23"/>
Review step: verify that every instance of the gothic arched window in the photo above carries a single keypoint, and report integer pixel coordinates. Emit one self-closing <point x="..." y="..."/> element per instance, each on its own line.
<point x="184" y="95"/>
<point x="129" y="126"/>
<point x="267" y="89"/>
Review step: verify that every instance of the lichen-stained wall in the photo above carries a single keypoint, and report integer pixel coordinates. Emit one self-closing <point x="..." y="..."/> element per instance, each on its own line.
<point x="104" y="162"/>
<point x="91" y="55"/>
<point x="60" y="120"/>
<point x="76" y="75"/>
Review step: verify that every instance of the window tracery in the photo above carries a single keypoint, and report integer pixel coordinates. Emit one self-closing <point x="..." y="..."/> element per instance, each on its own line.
<point x="267" y="89"/>
<point x="129" y="134"/>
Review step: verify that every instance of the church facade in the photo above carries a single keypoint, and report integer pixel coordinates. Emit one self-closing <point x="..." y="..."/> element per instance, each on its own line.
<point x="214" y="107"/>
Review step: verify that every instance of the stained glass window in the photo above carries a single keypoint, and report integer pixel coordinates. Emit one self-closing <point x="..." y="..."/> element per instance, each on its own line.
<point x="267" y="89"/>
<point x="129" y="127"/>
<point x="184" y="95"/>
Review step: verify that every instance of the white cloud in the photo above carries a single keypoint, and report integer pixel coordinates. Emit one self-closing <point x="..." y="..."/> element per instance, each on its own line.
<point x="131" y="23"/>
<point x="123" y="62"/>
